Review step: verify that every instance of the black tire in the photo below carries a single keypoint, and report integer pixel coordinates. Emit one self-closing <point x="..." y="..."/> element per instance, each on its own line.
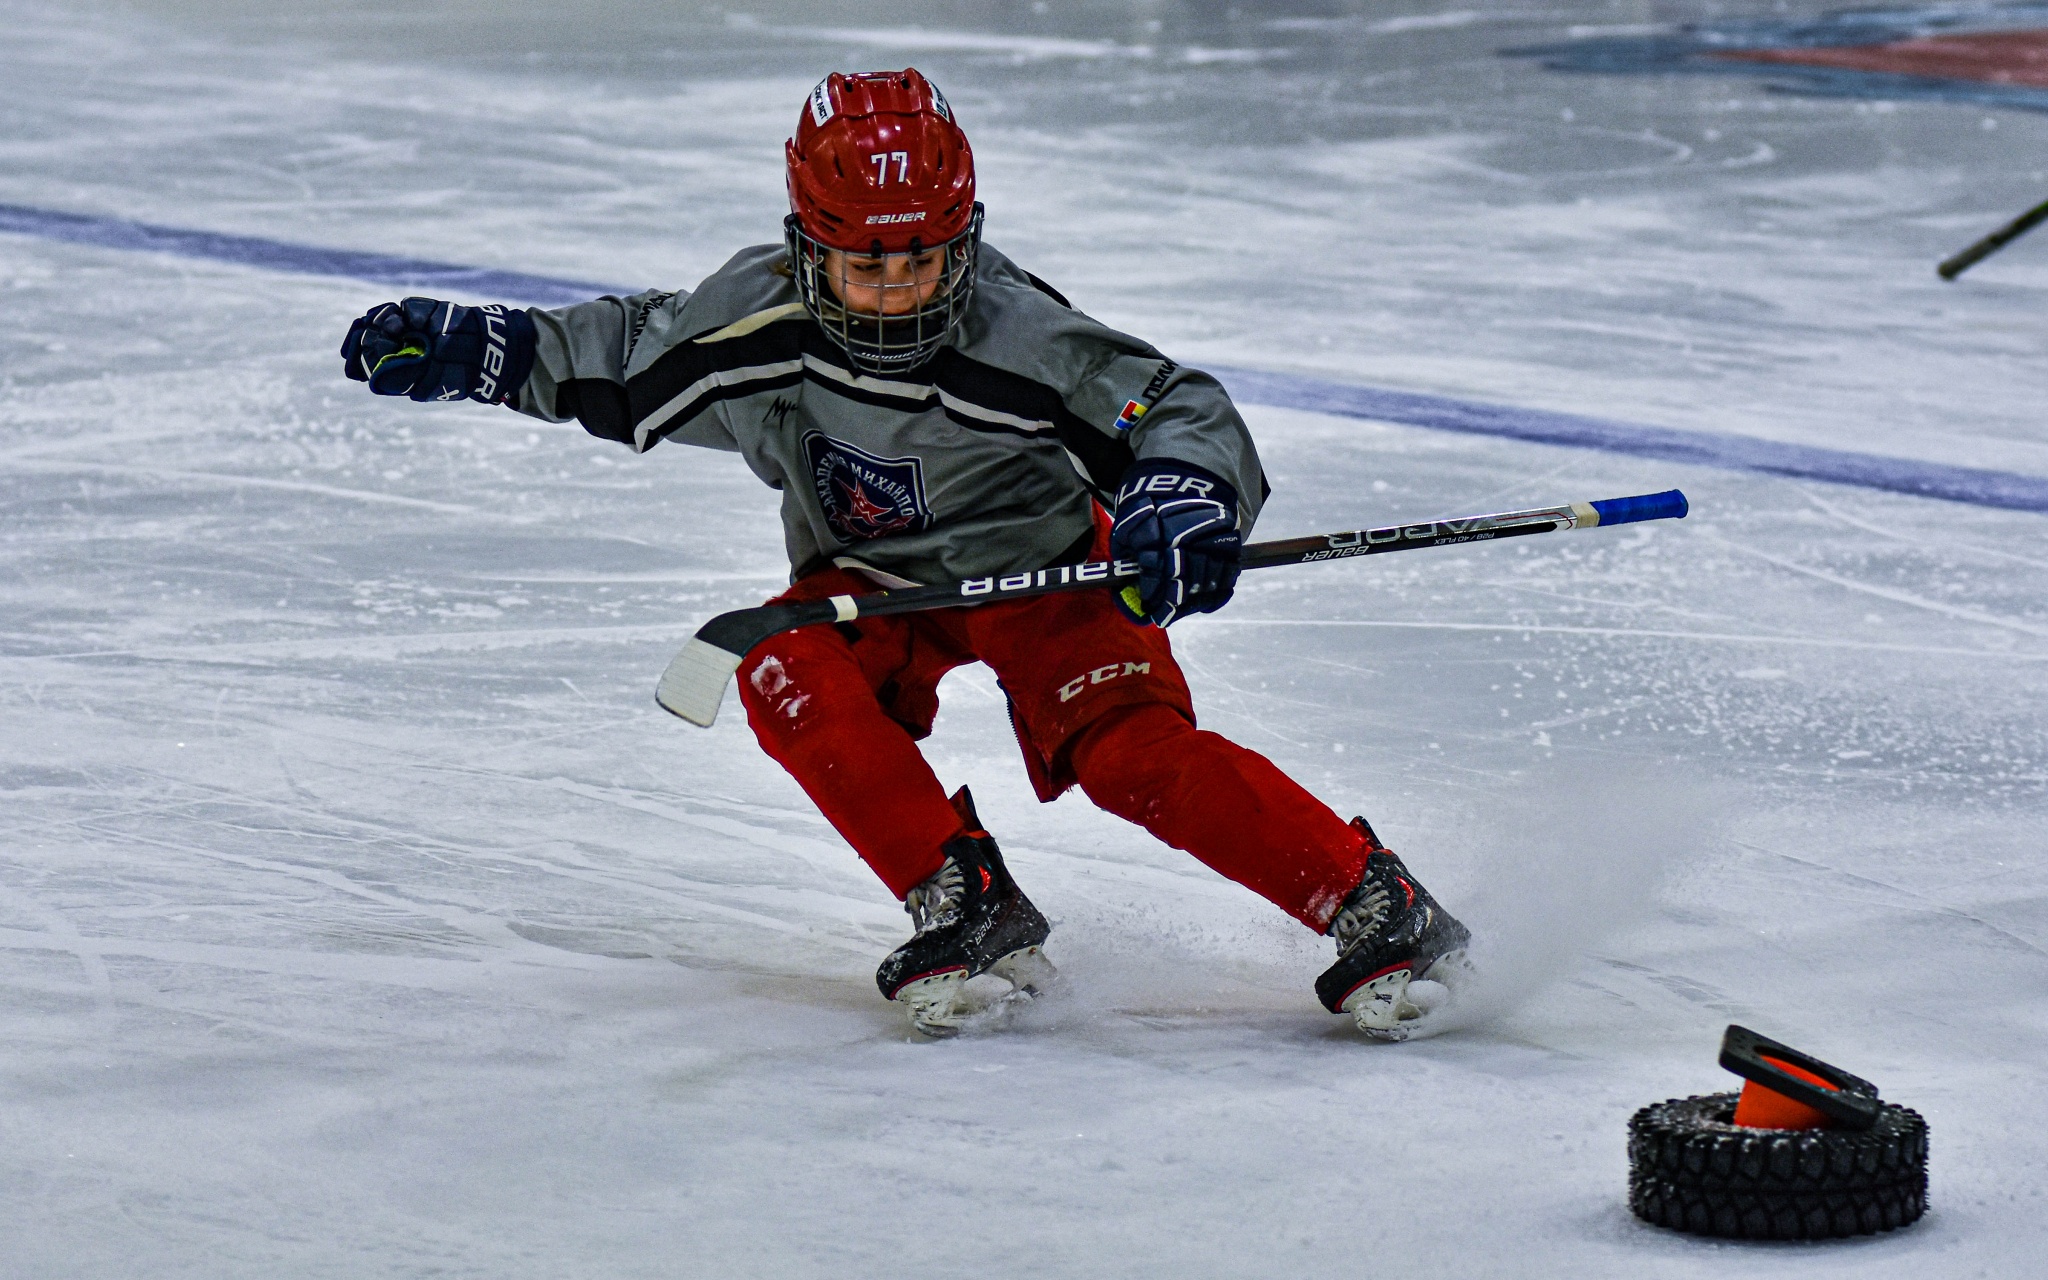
<point x="1692" y="1169"/>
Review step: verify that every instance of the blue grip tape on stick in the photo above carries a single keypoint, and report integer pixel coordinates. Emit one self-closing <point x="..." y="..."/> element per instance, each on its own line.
<point x="1668" y="505"/>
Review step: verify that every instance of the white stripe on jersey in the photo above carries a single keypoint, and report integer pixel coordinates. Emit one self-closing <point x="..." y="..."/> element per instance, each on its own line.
<point x="745" y="325"/>
<point x="643" y="435"/>
<point x="923" y="392"/>
<point x="917" y="393"/>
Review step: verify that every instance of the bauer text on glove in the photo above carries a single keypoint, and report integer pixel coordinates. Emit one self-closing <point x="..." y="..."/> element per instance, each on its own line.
<point x="1178" y="522"/>
<point x="432" y="350"/>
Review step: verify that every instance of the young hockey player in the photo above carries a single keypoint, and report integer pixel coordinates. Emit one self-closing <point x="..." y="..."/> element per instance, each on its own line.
<point x="931" y="411"/>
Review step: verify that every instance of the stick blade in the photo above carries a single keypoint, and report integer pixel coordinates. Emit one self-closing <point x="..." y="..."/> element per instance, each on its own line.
<point x="695" y="681"/>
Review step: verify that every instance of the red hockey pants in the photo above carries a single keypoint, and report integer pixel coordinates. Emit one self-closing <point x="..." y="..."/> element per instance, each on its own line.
<point x="1095" y="700"/>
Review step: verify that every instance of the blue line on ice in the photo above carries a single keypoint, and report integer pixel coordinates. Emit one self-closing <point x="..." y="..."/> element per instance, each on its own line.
<point x="1698" y="448"/>
<point x="1972" y="485"/>
<point x="277" y="255"/>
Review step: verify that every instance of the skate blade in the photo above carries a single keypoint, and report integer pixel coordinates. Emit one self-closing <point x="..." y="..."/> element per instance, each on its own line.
<point x="1399" y="1006"/>
<point x="1032" y="979"/>
<point x="934" y="1004"/>
<point x="1383" y="1010"/>
<point x="1028" y="972"/>
<point x="1453" y="968"/>
<point x="940" y="1006"/>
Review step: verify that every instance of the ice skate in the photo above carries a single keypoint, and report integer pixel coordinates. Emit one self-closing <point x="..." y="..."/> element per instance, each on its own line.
<point x="971" y="919"/>
<point x="1400" y="956"/>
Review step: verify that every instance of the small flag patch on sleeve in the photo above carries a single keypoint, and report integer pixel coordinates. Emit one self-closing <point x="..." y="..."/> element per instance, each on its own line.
<point x="1129" y="417"/>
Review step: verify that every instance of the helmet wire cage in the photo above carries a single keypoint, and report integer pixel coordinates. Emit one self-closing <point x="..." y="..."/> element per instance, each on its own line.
<point x="889" y="338"/>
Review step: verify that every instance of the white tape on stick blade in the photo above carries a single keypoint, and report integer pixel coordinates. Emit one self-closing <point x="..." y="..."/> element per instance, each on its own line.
<point x="695" y="681"/>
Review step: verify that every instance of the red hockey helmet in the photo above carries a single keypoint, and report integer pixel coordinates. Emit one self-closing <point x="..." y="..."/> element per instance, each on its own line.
<point x="877" y="164"/>
<point x="883" y="228"/>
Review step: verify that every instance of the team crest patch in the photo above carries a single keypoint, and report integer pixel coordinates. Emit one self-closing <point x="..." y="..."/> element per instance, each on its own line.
<point x="863" y="496"/>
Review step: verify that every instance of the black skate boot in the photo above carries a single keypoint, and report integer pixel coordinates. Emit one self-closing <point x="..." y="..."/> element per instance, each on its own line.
<point x="971" y="919"/>
<point x="1388" y="932"/>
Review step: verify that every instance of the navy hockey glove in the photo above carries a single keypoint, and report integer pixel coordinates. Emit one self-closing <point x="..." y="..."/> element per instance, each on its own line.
<point x="1179" y="523"/>
<point x="433" y="350"/>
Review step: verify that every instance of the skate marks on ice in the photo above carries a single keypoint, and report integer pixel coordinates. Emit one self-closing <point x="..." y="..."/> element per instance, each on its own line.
<point x="343" y="868"/>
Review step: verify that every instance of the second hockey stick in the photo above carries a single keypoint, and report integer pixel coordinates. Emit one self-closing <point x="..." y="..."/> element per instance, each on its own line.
<point x="695" y="681"/>
<point x="2005" y="235"/>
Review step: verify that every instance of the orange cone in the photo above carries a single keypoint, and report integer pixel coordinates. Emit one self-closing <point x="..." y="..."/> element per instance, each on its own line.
<point x="1761" y="1108"/>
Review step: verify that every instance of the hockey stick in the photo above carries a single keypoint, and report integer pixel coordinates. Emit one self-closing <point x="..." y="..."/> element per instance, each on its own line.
<point x="695" y="681"/>
<point x="1992" y="243"/>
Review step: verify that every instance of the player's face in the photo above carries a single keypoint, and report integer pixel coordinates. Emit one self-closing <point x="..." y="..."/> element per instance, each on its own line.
<point x="895" y="284"/>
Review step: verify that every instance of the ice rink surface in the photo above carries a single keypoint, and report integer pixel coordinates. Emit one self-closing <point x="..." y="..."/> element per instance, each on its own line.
<point x="362" y="916"/>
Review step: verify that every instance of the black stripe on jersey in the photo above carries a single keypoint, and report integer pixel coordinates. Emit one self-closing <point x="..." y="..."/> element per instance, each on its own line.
<point x="686" y="364"/>
<point x="999" y="428"/>
<point x="914" y="398"/>
<point x="1103" y="459"/>
<point x="599" y="404"/>
<point x="1048" y="291"/>
<point x="720" y="392"/>
<point x="919" y="397"/>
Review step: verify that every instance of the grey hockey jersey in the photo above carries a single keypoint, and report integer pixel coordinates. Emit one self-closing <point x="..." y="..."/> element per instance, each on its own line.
<point x="987" y="459"/>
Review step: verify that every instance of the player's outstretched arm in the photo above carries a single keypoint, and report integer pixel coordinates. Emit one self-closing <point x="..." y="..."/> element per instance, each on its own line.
<point x="1178" y="523"/>
<point x="432" y="350"/>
